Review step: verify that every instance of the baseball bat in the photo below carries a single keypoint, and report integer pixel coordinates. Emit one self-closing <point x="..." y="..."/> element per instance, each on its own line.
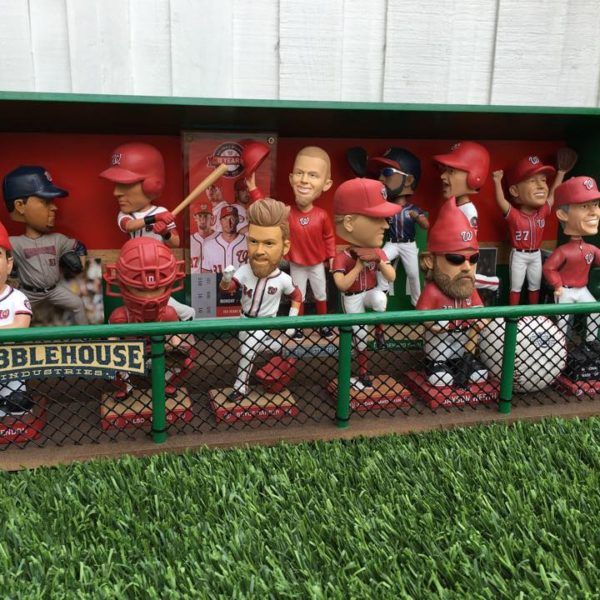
<point x="203" y="185"/>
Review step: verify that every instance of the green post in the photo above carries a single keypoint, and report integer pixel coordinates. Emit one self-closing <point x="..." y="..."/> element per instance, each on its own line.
<point x="159" y="409"/>
<point x="342" y="412"/>
<point x="508" y="364"/>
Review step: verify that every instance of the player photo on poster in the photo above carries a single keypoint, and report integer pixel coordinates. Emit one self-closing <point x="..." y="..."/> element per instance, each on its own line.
<point x="218" y="220"/>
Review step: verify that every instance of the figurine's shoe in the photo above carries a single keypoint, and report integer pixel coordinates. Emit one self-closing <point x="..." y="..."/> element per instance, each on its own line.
<point x="235" y="396"/>
<point x="362" y="382"/>
<point x="326" y="332"/>
<point x="170" y="389"/>
<point x="594" y="346"/>
<point x="15" y="404"/>
<point x="379" y="338"/>
<point x="298" y="335"/>
<point x="122" y="394"/>
<point x="180" y="372"/>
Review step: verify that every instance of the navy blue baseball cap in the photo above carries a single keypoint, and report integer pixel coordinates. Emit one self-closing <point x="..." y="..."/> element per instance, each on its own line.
<point x="27" y="181"/>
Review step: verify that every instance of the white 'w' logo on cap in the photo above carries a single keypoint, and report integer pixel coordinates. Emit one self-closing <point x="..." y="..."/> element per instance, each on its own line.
<point x="588" y="184"/>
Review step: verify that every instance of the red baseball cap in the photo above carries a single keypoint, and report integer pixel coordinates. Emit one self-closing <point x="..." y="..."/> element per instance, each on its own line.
<point x="203" y="207"/>
<point x="4" y="241"/>
<point x="527" y="167"/>
<point x="361" y="196"/>
<point x="577" y="190"/>
<point x="451" y="231"/>
<point x="228" y="210"/>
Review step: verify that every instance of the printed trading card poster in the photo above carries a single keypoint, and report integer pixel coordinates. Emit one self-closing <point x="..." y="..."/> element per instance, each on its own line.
<point x="218" y="218"/>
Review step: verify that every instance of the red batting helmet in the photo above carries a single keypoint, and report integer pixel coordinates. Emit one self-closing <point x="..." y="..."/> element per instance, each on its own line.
<point x="134" y="162"/>
<point x="451" y="231"/>
<point x="470" y="157"/>
<point x="253" y="155"/>
<point x="145" y="264"/>
<point x="577" y="190"/>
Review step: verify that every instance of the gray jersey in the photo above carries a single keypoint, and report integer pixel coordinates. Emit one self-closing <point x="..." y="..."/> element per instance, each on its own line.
<point x="38" y="259"/>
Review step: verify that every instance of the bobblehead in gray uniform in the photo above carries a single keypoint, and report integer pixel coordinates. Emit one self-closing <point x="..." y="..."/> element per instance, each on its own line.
<point x="29" y="195"/>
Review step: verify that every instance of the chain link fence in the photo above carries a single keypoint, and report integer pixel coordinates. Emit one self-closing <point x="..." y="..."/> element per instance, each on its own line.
<point x="228" y="375"/>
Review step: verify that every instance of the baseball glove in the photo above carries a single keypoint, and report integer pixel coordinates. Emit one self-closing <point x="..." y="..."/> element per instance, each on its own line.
<point x="366" y="254"/>
<point x="566" y="159"/>
<point x="71" y="262"/>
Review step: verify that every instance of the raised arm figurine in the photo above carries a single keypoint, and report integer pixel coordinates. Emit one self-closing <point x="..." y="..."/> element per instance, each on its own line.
<point x="138" y="172"/>
<point x="311" y="232"/>
<point x="30" y="195"/>
<point x="568" y="267"/>
<point x="400" y="170"/>
<point x="532" y="199"/>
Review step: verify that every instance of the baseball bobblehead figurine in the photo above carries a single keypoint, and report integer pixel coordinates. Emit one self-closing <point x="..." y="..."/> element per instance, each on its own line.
<point x="146" y="274"/>
<point x="399" y="170"/>
<point x="138" y="172"/>
<point x="568" y="267"/>
<point x="449" y="263"/>
<point x="30" y="197"/>
<point x="262" y="285"/>
<point x="15" y="311"/>
<point x="203" y="216"/>
<point x="532" y="198"/>
<point x="463" y="172"/>
<point x="227" y="247"/>
<point x="311" y="231"/>
<point x="361" y="209"/>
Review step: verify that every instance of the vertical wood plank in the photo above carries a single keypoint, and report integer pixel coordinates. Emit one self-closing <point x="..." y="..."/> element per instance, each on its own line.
<point x="99" y="46"/>
<point x="16" y="64"/>
<point x="439" y="51"/>
<point x="547" y="54"/>
<point x="151" y="47"/>
<point x="50" y="45"/>
<point x="311" y="47"/>
<point x="363" y="50"/>
<point x="255" y="39"/>
<point x="201" y="48"/>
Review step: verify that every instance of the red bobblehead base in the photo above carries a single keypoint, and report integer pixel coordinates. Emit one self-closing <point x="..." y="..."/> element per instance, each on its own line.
<point x="255" y="405"/>
<point x="588" y="387"/>
<point x="24" y="427"/>
<point x="450" y="396"/>
<point x="385" y="392"/>
<point x="136" y="409"/>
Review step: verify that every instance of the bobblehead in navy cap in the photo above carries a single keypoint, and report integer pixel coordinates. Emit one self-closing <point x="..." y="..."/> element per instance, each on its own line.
<point x="25" y="181"/>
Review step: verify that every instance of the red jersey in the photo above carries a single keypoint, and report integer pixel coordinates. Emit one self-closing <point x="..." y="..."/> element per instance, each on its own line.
<point x="526" y="230"/>
<point x="311" y="236"/>
<point x="570" y="264"/>
<point x="367" y="278"/>
<point x="432" y="298"/>
<point x="121" y="315"/>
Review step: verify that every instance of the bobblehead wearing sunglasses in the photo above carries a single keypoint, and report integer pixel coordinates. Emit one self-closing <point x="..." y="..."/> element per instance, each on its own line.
<point x="399" y="170"/>
<point x="449" y="266"/>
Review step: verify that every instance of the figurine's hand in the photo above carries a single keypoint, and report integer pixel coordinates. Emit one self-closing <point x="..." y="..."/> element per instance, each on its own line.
<point x="228" y="274"/>
<point x="160" y="228"/>
<point x="251" y="182"/>
<point x="566" y="159"/>
<point x="413" y="214"/>
<point x="558" y="291"/>
<point x="164" y="217"/>
<point x="498" y="175"/>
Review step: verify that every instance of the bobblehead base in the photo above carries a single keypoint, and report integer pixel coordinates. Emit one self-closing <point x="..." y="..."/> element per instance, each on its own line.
<point x="26" y="427"/>
<point x="385" y="392"/>
<point x="582" y="373"/>
<point x="255" y="405"/>
<point x="136" y="409"/>
<point x="449" y="396"/>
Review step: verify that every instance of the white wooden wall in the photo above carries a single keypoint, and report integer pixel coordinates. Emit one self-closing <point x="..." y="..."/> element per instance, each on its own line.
<point x="435" y="51"/>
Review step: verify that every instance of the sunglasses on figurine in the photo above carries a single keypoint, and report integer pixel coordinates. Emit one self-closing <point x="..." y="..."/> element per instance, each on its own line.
<point x="389" y="171"/>
<point x="459" y="259"/>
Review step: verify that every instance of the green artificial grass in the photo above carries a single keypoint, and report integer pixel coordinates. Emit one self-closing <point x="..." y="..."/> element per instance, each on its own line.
<point x="488" y="512"/>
